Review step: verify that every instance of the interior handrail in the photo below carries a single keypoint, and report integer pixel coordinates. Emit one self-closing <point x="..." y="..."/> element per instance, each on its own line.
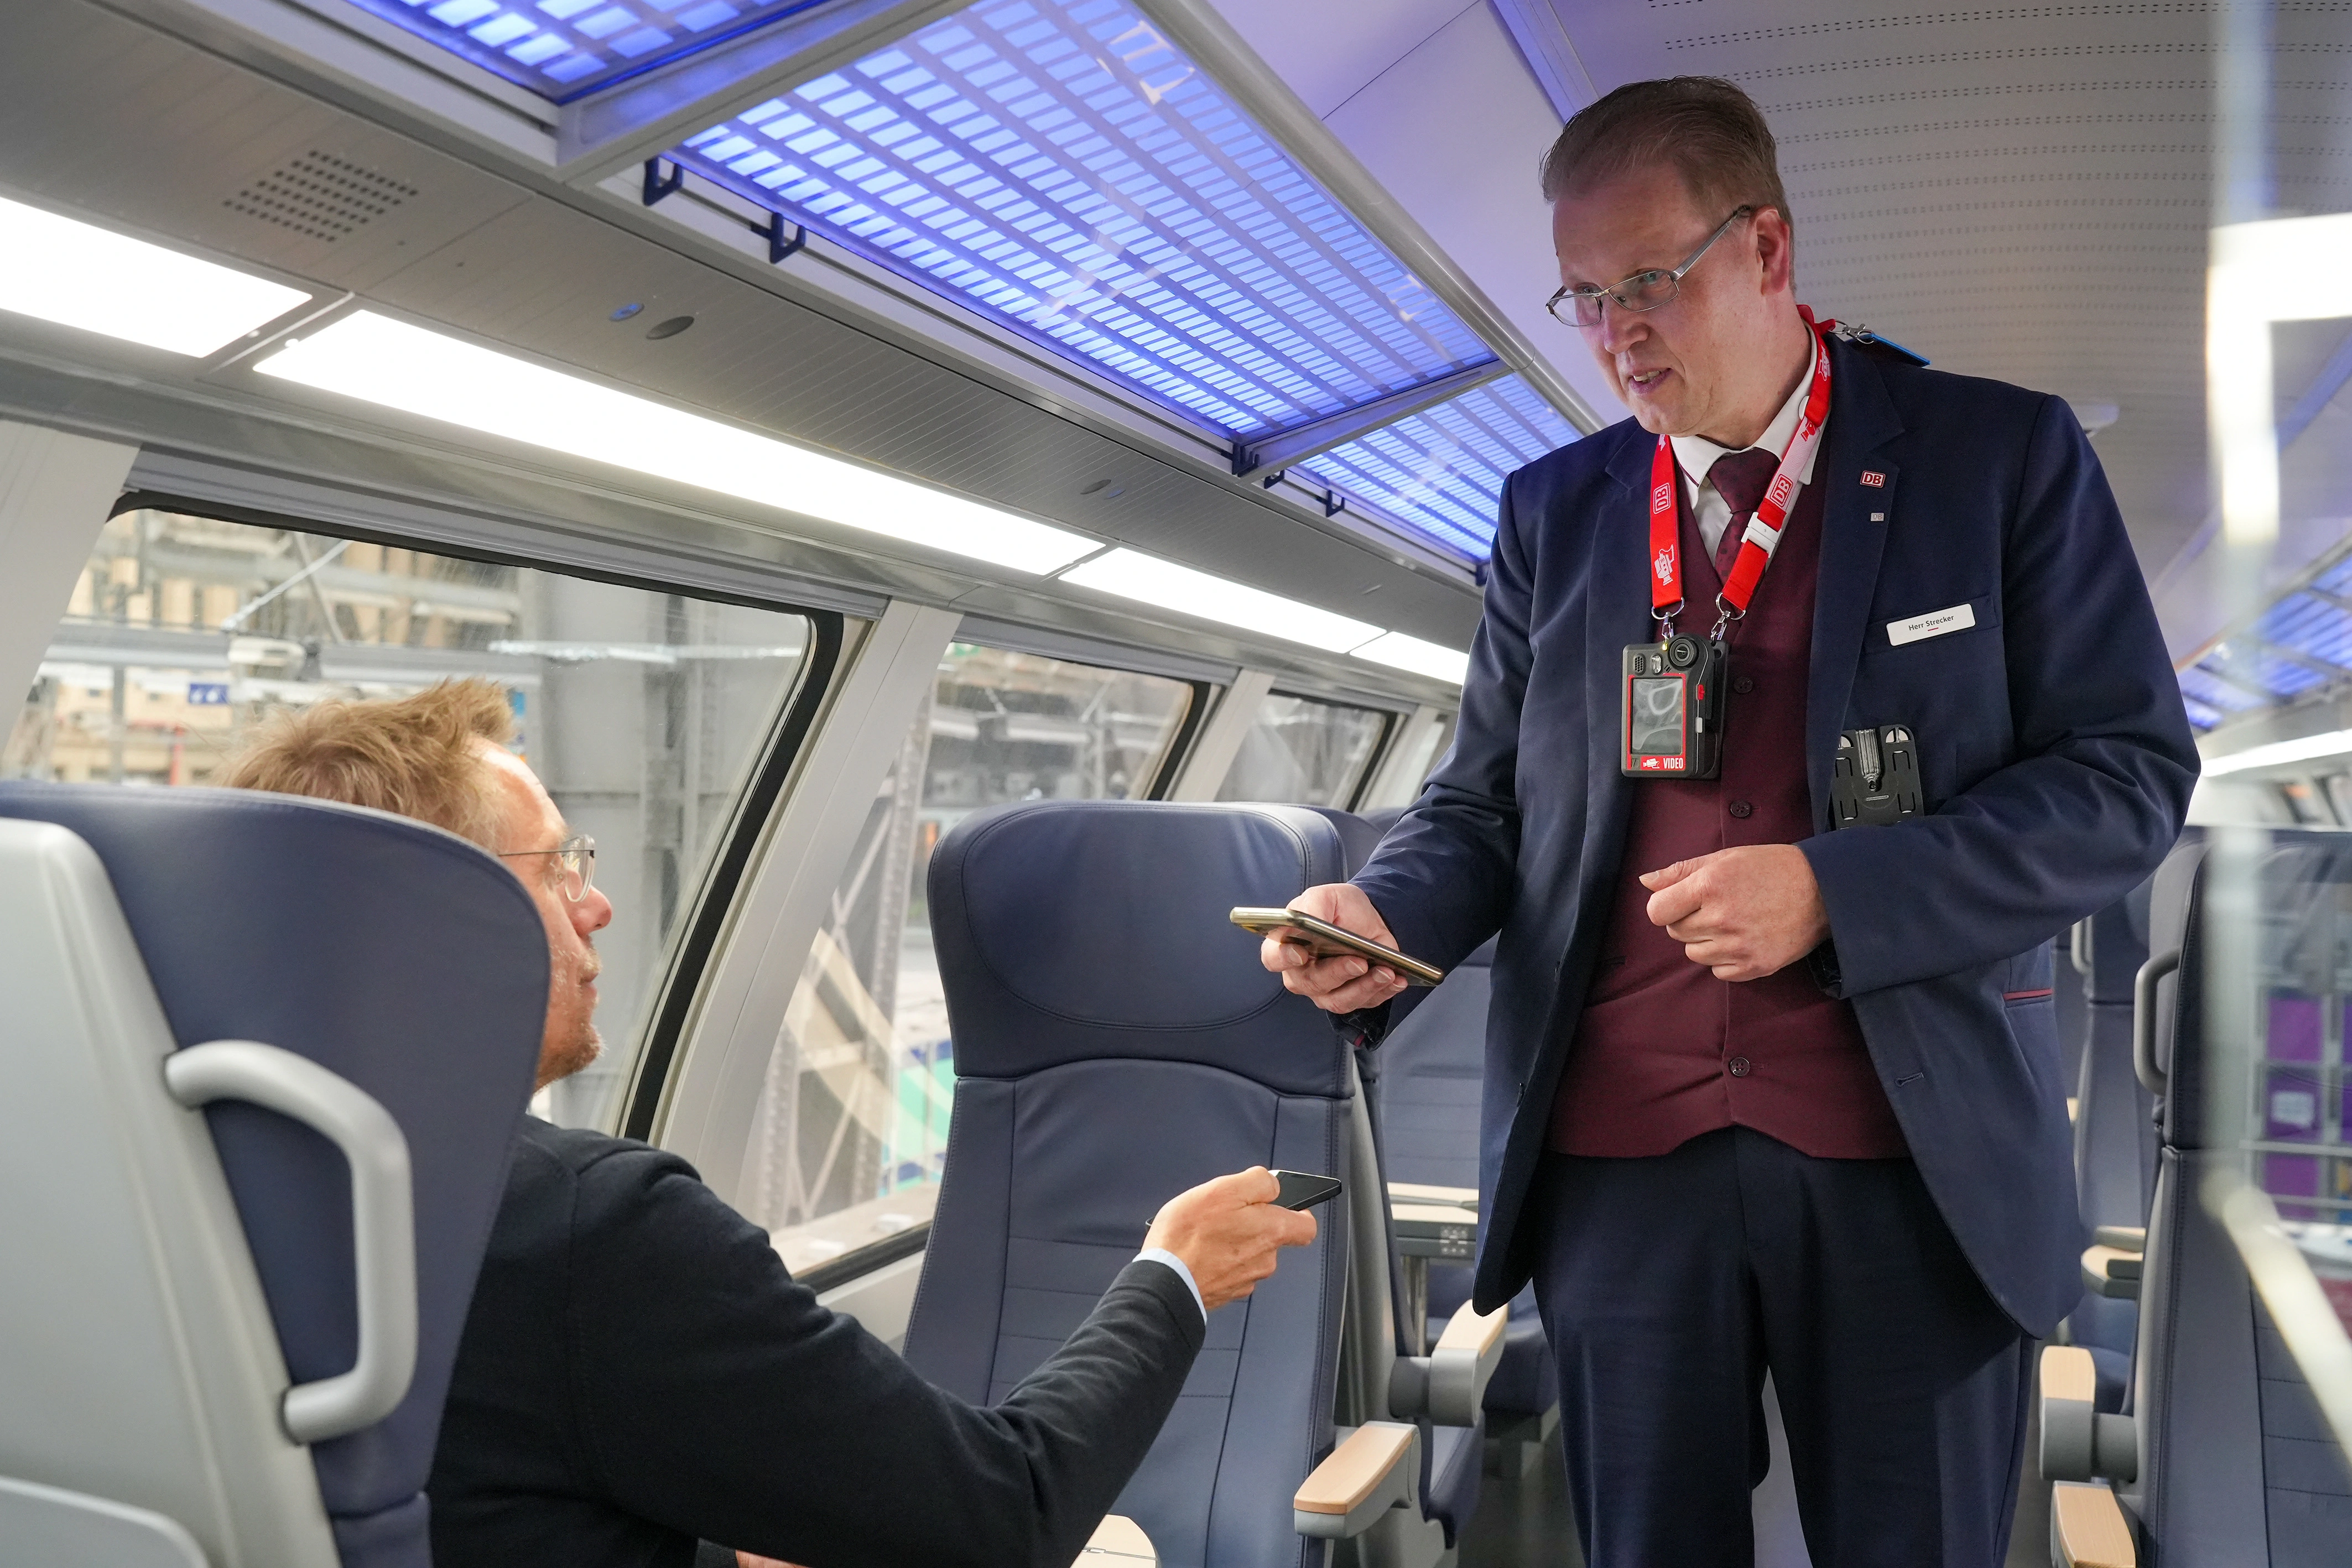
<point x="2152" y="973"/>
<point x="384" y="1220"/>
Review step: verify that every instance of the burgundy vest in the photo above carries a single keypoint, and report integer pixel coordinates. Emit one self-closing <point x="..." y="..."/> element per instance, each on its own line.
<point x="1663" y="1050"/>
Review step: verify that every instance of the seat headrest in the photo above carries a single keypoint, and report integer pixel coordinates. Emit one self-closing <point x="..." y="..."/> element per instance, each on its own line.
<point x="1071" y="930"/>
<point x="400" y="957"/>
<point x="227" y="890"/>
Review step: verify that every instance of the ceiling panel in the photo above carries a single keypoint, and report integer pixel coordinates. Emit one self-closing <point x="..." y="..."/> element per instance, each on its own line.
<point x="103" y="114"/>
<point x="2016" y="192"/>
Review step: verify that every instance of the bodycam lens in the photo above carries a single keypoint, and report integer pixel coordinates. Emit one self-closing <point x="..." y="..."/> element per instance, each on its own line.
<point x="1682" y="653"/>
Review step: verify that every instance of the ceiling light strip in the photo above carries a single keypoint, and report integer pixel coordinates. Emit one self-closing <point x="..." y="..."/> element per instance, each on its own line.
<point x="74" y="274"/>
<point x="1164" y="585"/>
<point x="433" y="376"/>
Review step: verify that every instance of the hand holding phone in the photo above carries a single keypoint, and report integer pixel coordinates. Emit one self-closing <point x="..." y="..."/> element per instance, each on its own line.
<point x="1326" y="940"/>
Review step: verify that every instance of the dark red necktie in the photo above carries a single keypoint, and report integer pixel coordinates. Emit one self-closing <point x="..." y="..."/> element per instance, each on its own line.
<point x="1741" y="478"/>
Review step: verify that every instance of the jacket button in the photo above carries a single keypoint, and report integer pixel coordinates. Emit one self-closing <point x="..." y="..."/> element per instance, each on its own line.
<point x="1742" y="685"/>
<point x="1739" y="1065"/>
<point x="1741" y="808"/>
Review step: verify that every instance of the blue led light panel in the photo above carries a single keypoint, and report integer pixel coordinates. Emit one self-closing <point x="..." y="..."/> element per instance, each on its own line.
<point x="2204" y="687"/>
<point x="1440" y="472"/>
<point x="1057" y="164"/>
<point x="2309" y="627"/>
<point x="564" y="49"/>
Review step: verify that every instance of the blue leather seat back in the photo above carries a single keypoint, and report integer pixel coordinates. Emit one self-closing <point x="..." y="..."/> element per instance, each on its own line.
<point x="1115" y="1042"/>
<point x="398" y="957"/>
<point x="1432" y="1065"/>
<point x="2232" y="1448"/>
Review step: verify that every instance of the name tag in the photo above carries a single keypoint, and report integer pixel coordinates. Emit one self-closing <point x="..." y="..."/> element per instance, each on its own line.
<point x="1934" y="623"/>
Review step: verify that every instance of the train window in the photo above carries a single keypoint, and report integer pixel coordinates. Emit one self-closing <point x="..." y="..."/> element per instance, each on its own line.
<point x="642" y="710"/>
<point x="851" y="1127"/>
<point x="1306" y="752"/>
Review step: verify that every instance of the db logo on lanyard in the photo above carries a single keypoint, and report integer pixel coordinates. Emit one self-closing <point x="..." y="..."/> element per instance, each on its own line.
<point x="1673" y="688"/>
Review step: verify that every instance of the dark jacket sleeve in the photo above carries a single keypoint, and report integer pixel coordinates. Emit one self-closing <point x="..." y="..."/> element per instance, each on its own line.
<point x="1443" y="876"/>
<point x="714" y="1396"/>
<point x="2102" y="764"/>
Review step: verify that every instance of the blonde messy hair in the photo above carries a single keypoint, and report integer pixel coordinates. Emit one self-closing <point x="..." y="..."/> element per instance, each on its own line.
<point x="415" y="756"/>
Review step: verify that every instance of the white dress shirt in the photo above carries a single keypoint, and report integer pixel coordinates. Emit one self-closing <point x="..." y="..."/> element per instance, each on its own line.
<point x="1697" y="455"/>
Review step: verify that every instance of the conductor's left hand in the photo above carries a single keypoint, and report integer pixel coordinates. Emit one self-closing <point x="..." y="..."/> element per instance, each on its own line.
<point x="1744" y="913"/>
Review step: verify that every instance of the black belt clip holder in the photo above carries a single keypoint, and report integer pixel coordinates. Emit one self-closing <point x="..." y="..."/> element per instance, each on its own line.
<point x="1875" y="780"/>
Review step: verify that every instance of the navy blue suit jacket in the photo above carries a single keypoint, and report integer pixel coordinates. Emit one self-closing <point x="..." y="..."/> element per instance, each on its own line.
<point x="2057" y="760"/>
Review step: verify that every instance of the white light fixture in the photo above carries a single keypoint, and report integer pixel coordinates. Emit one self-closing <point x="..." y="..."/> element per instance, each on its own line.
<point x="433" y="376"/>
<point x="1147" y="579"/>
<point x="2334" y="743"/>
<point x="78" y="274"/>
<point x="1400" y="652"/>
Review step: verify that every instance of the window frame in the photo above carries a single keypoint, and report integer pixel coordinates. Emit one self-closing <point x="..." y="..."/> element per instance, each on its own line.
<point x="680" y="977"/>
<point x="1391" y="721"/>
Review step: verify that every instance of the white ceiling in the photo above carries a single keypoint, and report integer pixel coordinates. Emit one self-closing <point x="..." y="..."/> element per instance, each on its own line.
<point x="2019" y="191"/>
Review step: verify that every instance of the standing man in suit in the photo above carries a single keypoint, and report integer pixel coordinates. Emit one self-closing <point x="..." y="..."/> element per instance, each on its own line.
<point x="1760" y="1095"/>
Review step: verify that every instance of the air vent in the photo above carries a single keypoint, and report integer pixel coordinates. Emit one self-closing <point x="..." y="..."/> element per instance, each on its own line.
<point x="320" y="195"/>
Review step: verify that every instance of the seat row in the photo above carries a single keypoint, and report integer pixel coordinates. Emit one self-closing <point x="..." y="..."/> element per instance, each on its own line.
<point x="2177" y="1428"/>
<point x="260" y="1164"/>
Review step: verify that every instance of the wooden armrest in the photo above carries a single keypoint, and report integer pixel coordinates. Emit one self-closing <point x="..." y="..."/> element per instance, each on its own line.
<point x="2112" y="1272"/>
<point x="2122" y="1237"/>
<point x="2088" y="1530"/>
<point x="1472" y="1332"/>
<point x="2068" y="1373"/>
<point x="1429" y="1192"/>
<point x="1118" y="1542"/>
<point x="1377" y="1467"/>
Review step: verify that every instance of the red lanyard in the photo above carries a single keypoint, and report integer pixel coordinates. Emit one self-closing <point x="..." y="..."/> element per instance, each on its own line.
<point x="1762" y="536"/>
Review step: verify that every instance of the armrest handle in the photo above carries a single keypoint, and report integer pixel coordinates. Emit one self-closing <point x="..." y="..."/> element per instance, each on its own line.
<point x="2122" y="1237"/>
<point x="2151" y="1077"/>
<point x="1376" y="1468"/>
<point x="2078" y="1443"/>
<point x="1449" y="1384"/>
<point x="384" y="1220"/>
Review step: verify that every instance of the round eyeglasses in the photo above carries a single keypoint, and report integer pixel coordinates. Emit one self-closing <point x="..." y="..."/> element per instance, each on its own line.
<point x="1642" y="291"/>
<point x="575" y="858"/>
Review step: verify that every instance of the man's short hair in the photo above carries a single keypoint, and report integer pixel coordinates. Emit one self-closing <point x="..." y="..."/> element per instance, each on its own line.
<point x="417" y="756"/>
<point x="1703" y="127"/>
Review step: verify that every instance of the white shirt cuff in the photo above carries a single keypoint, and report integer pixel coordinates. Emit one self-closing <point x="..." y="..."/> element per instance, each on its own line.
<point x="1162" y="1255"/>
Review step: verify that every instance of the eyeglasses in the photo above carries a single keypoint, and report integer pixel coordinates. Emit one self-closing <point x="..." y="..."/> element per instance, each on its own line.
<point x="576" y="857"/>
<point x="1642" y="291"/>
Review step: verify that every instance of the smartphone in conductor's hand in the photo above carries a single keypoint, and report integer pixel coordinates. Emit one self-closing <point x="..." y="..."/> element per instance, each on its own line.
<point x="1326" y="940"/>
<point x="1301" y="1190"/>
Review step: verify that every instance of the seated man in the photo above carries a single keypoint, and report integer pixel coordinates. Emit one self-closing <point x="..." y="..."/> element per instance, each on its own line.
<point x="639" y="1373"/>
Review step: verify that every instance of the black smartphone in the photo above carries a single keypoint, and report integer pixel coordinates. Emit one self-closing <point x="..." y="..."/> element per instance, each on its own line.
<point x="1301" y="1190"/>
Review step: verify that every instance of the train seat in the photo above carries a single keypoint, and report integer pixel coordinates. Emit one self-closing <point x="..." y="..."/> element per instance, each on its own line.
<point x="2115" y="1126"/>
<point x="2225" y="1445"/>
<point x="1115" y="1042"/>
<point x="1431" y="1070"/>
<point x="381" y="987"/>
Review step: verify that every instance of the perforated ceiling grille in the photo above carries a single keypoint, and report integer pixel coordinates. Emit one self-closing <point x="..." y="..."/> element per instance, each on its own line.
<point x="320" y="195"/>
<point x="1058" y="164"/>
<point x="565" y="49"/>
<point x="1444" y="467"/>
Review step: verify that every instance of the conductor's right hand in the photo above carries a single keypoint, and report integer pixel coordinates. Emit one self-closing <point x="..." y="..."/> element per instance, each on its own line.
<point x="1343" y="983"/>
